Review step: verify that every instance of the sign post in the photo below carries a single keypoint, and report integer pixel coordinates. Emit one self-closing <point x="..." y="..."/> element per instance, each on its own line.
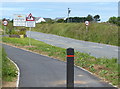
<point x="29" y="37"/>
<point x="30" y="22"/>
<point x="4" y="30"/>
<point x="87" y="23"/>
<point x="5" y="23"/>
<point x="70" y="68"/>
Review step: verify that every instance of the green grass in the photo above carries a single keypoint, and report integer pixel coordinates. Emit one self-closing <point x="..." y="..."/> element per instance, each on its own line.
<point x="0" y="66"/>
<point x="103" y="67"/>
<point x="97" y="32"/>
<point x="14" y="30"/>
<point x="9" y="71"/>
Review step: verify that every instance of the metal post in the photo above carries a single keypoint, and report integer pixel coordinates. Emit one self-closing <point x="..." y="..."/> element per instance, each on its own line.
<point x="68" y="14"/>
<point x="70" y="68"/>
<point x="29" y="36"/>
<point x="86" y="28"/>
<point x="4" y="30"/>
<point x="14" y="28"/>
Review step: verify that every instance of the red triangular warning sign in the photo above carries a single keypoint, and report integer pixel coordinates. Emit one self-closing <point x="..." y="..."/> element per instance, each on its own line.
<point x="30" y="18"/>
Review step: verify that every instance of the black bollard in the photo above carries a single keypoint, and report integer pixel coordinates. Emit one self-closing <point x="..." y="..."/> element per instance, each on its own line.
<point x="70" y="68"/>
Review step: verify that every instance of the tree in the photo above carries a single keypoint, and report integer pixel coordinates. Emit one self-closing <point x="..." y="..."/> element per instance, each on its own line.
<point x="113" y="20"/>
<point x="11" y="20"/>
<point x="3" y="19"/>
<point x="51" y="21"/>
<point x="118" y="21"/>
<point x="76" y="19"/>
<point x="60" y="20"/>
<point x="96" y="18"/>
<point x="89" y="18"/>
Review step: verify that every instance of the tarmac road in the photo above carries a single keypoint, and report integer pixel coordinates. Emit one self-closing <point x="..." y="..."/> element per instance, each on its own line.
<point x="95" y="49"/>
<point x="41" y="71"/>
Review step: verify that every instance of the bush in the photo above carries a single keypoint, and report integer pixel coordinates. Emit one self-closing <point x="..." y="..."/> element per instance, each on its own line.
<point x="21" y="31"/>
<point x="60" y="20"/>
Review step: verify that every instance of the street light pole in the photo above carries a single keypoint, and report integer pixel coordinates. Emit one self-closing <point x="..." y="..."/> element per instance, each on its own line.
<point x="68" y="14"/>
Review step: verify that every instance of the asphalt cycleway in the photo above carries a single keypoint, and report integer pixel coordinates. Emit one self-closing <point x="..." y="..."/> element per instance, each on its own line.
<point x="95" y="49"/>
<point x="41" y="71"/>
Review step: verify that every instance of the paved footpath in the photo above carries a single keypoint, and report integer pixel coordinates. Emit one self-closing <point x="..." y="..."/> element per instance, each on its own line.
<point x="41" y="71"/>
<point x="95" y="49"/>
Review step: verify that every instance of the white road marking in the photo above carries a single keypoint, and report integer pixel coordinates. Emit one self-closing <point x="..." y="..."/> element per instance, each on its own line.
<point x="96" y="47"/>
<point x="18" y="79"/>
<point x="80" y="75"/>
<point x="116" y="50"/>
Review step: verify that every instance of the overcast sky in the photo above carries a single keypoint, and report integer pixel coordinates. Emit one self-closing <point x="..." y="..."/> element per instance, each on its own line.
<point x="59" y="9"/>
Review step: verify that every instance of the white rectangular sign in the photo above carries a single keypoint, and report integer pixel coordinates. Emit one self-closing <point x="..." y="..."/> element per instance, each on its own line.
<point x="30" y="23"/>
<point x="19" y="20"/>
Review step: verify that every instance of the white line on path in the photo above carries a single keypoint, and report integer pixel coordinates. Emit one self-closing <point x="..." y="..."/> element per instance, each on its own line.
<point x="116" y="50"/>
<point x="17" y="84"/>
<point x="96" y="46"/>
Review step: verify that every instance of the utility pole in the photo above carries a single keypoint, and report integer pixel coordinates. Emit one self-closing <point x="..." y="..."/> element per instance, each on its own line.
<point x="69" y="10"/>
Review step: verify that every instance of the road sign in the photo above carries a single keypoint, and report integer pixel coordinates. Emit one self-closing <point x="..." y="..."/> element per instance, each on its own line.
<point x="5" y="22"/>
<point x="19" y="20"/>
<point x="30" y="18"/>
<point x="30" y="21"/>
<point x="87" y="23"/>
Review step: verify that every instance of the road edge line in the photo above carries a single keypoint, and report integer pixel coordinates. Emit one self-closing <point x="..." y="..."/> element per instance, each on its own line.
<point x="18" y="76"/>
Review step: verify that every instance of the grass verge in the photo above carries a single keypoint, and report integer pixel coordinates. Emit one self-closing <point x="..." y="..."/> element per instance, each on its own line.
<point x="9" y="71"/>
<point x="105" y="68"/>
<point x="97" y="32"/>
<point x="0" y="66"/>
